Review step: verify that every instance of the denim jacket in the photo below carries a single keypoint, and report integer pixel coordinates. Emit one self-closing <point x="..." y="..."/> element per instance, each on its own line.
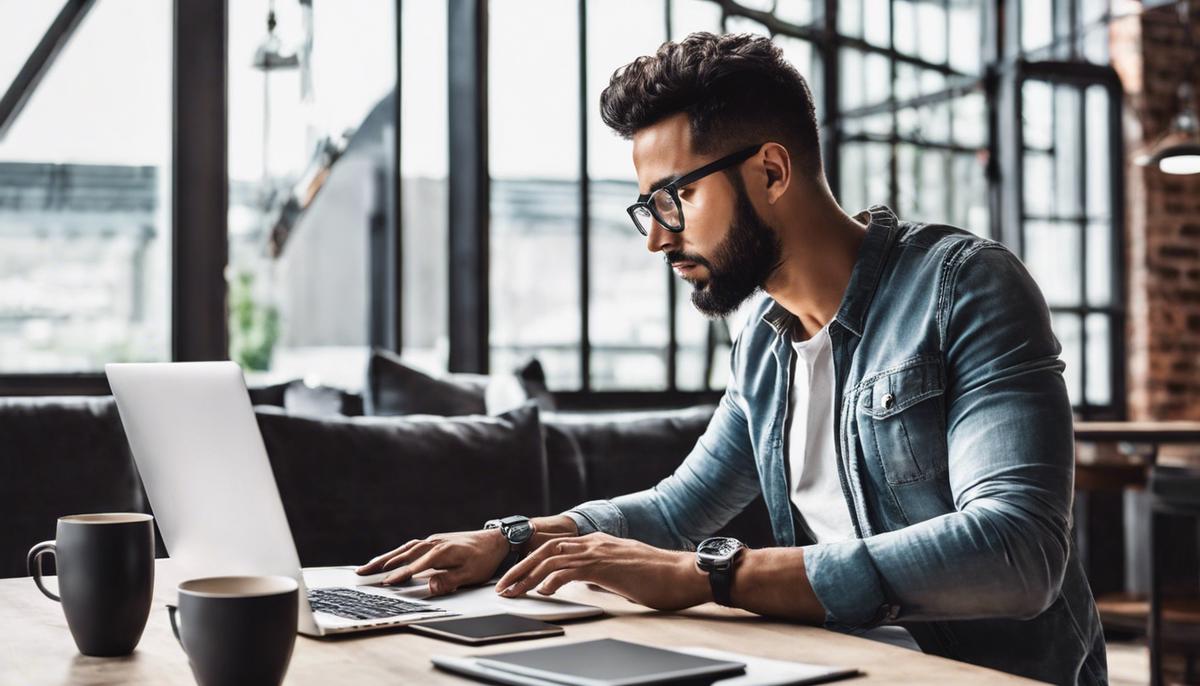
<point x="955" y="452"/>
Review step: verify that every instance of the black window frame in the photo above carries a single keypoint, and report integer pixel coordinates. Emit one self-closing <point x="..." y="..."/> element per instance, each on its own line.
<point x="200" y="183"/>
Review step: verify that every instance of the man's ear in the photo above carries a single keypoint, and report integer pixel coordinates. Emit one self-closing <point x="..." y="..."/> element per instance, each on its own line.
<point x="776" y="165"/>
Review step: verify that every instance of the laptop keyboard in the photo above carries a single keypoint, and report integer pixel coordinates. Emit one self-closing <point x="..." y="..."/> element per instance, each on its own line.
<point x="352" y="604"/>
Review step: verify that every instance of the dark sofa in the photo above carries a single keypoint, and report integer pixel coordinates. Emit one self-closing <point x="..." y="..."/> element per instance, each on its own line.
<point x="353" y="486"/>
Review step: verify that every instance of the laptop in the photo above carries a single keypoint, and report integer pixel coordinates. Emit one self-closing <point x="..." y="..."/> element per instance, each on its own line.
<point x="198" y="450"/>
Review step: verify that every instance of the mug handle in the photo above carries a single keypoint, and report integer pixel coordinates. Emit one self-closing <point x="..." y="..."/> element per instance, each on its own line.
<point x="34" y="562"/>
<point x="171" y="610"/>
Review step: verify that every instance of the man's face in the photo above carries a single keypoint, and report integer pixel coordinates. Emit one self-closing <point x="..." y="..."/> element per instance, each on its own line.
<point x="726" y="251"/>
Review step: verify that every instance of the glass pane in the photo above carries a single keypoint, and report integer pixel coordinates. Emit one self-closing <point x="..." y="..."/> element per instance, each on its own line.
<point x="908" y="83"/>
<point x="23" y="26"/>
<point x="1099" y="263"/>
<point x="628" y="298"/>
<point x="1052" y="255"/>
<point x="931" y="46"/>
<point x="970" y="195"/>
<point x="1099" y="170"/>
<point x="739" y="24"/>
<point x="849" y="18"/>
<point x="1037" y="21"/>
<point x="864" y="175"/>
<point x="424" y="162"/>
<point x="906" y="27"/>
<point x="877" y="173"/>
<point x="308" y="137"/>
<point x="876" y="22"/>
<point x="853" y="195"/>
<point x="932" y="191"/>
<point x="865" y="78"/>
<point x="966" y="36"/>
<point x="1067" y="331"/>
<point x="757" y="5"/>
<point x="1099" y="360"/>
<point x="534" y="162"/>
<point x="970" y="120"/>
<point x="1038" y="181"/>
<point x="689" y="16"/>
<point x="908" y="171"/>
<point x="1037" y="114"/>
<point x="85" y="181"/>
<point x="800" y="12"/>
<point x="1067" y="154"/>
<point x="694" y="331"/>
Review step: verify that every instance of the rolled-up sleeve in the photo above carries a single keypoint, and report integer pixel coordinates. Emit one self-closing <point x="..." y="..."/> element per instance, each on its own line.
<point x="1003" y="551"/>
<point x="715" y="482"/>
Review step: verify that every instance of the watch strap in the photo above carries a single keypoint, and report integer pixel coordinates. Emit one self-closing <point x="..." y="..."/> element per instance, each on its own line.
<point x="721" y="581"/>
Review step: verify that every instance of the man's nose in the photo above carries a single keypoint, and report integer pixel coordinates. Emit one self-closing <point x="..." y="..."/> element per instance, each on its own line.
<point x="659" y="239"/>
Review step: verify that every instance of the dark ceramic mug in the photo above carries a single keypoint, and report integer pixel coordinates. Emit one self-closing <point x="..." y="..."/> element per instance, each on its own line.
<point x="237" y="629"/>
<point x="105" y="568"/>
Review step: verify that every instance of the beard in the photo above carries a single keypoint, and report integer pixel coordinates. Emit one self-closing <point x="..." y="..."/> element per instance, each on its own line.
<point x="741" y="263"/>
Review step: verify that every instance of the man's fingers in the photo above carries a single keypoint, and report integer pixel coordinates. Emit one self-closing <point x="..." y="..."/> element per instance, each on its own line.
<point x="559" y="578"/>
<point x="447" y="581"/>
<point x="418" y="549"/>
<point x="541" y="571"/>
<point x="546" y="550"/>
<point x="376" y="563"/>
<point x="439" y="556"/>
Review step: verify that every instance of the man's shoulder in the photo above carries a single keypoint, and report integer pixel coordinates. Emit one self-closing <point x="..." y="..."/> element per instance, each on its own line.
<point x="934" y="237"/>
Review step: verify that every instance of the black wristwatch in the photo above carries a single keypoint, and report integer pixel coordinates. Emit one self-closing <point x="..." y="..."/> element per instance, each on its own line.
<point x="517" y="530"/>
<point x="716" y="556"/>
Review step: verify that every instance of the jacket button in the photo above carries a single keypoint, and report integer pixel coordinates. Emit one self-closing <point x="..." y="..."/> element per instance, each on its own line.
<point x="887" y="401"/>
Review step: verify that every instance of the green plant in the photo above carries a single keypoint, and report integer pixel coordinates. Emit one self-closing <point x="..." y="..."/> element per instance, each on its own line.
<point x="253" y="326"/>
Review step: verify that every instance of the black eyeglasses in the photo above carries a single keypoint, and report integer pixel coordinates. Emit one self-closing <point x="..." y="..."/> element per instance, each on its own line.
<point x="662" y="205"/>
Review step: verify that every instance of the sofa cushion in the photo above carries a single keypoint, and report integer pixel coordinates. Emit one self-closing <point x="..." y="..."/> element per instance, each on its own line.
<point x="59" y="456"/>
<point x="396" y="388"/>
<point x="355" y="487"/>
<point x="625" y="452"/>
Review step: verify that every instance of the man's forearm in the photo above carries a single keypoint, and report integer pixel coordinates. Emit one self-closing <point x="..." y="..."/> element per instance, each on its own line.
<point x="773" y="582"/>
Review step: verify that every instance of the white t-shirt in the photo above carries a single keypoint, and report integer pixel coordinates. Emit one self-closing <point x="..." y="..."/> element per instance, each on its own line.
<point x="812" y="460"/>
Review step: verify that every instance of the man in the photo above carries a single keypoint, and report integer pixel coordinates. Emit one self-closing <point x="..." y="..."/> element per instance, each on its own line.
<point x="898" y="401"/>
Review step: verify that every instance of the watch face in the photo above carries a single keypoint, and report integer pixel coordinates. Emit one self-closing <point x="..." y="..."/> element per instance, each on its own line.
<point x="519" y="533"/>
<point x="717" y="551"/>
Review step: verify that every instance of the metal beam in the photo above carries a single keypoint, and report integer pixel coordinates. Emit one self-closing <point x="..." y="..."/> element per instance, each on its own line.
<point x="468" y="186"/>
<point x="40" y="61"/>
<point x="200" y="182"/>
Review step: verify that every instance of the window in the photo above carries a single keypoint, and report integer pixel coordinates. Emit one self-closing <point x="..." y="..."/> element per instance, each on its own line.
<point x="304" y="231"/>
<point x="616" y="318"/>
<point x="534" y="158"/>
<point x="1067" y="229"/>
<point x="424" y="168"/>
<point x="1066" y="182"/>
<point x="85" y="192"/>
<point x="913" y="119"/>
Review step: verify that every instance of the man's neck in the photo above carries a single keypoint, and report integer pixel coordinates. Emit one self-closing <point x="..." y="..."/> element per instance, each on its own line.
<point x="820" y="248"/>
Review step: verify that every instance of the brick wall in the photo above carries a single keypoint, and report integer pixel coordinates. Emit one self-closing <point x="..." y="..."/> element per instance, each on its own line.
<point x="1163" y="223"/>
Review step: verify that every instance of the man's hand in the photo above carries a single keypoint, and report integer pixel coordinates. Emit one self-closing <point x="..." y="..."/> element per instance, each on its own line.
<point x="461" y="558"/>
<point x="657" y="578"/>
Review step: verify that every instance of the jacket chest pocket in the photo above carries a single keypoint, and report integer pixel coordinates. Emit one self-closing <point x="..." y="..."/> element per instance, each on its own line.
<point x="902" y="420"/>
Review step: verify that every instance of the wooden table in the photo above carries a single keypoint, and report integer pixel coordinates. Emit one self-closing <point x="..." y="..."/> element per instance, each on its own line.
<point x="36" y="646"/>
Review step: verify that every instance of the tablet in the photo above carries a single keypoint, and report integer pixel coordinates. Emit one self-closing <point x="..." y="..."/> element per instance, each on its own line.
<point x="487" y="628"/>
<point x="608" y="662"/>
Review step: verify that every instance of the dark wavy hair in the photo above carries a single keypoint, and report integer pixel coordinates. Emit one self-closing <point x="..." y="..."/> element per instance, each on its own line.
<point x="736" y="89"/>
